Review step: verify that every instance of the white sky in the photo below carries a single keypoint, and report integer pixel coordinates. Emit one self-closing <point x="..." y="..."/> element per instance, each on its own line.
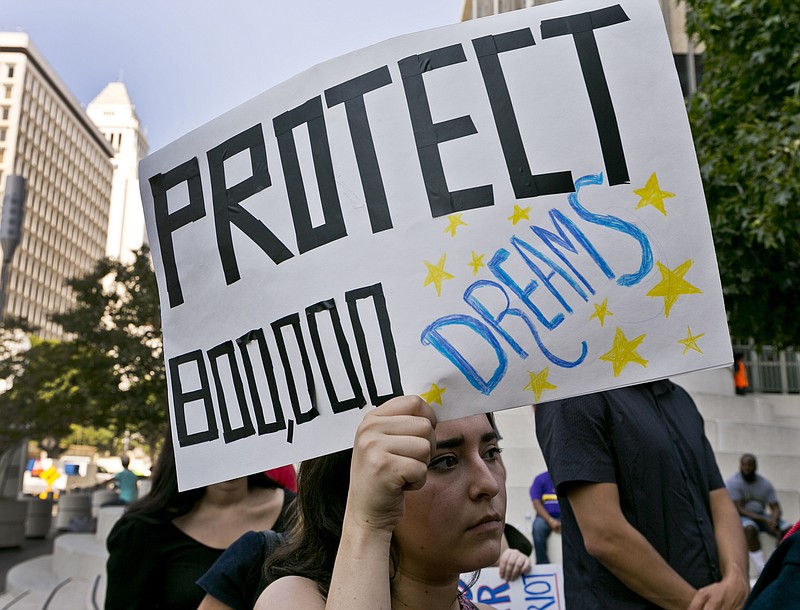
<point x="185" y="62"/>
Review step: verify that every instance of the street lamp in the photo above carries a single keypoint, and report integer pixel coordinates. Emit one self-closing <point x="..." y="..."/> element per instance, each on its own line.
<point x="11" y="228"/>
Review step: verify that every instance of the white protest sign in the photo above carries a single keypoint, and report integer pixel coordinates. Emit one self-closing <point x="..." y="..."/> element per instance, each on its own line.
<point x="542" y="588"/>
<point x="491" y="214"/>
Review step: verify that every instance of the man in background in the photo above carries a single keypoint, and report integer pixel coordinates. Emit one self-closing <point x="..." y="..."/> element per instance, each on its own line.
<point x="646" y="521"/>
<point x="127" y="482"/>
<point x="757" y="503"/>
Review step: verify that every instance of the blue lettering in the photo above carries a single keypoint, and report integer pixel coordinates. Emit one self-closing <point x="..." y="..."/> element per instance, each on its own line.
<point x="617" y="224"/>
<point x="523" y="293"/>
<point x="495" y="320"/>
<point x="494" y="595"/>
<point x="432" y="336"/>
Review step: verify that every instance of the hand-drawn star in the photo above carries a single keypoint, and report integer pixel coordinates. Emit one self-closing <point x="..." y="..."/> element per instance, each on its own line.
<point x="601" y="311"/>
<point x="454" y="222"/>
<point x="539" y="384"/>
<point x="672" y="285"/>
<point x="476" y="262"/>
<point x="623" y="352"/>
<point x="519" y="214"/>
<point x="437" y="274"/>
<point x="434" y="394"/>
<point x="690" y="342"/>
<point x="651" y="194"/>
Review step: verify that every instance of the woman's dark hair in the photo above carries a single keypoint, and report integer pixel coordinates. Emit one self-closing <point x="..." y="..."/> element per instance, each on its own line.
<point x="314" y="540"/>
<point x="164" y="502"/>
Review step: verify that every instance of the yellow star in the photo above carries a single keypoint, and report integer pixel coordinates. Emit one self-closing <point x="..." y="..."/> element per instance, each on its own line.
<point x="601" y="311"/>
<point x="690" y="342"/>
<point x="454" y="222"/>
<point x="476" y="262"/>
<point x="519" y="214"/>
<point x="672" y="285"/>
<point x="651" y="194"/>
<point x="434" y="394"/>
<point x="623" y="352"/>
<point x="539" y="384"/>
<point x="437" y="274"/>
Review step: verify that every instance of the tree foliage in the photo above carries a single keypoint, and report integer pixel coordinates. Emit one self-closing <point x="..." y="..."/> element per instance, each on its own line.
<point x="108" y="374"/>
<point x="746" y="122"/>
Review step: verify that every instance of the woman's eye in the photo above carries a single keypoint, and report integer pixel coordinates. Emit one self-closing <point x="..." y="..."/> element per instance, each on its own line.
<point x="444" y="462"/>
<point x="493" y="453"/>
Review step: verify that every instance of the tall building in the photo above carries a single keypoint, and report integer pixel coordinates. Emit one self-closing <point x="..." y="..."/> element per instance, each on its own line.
<point x="688" y="56"/>
<point x="46" y="137"/>
<point x="115" y="116"/>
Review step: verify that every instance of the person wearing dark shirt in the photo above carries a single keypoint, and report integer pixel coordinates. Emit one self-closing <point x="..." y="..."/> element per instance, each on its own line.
<point x="646" y="521"/>
<point x="166" y="540"/>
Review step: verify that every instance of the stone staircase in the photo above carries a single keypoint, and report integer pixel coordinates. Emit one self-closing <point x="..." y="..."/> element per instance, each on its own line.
<point x="72" y="578"/>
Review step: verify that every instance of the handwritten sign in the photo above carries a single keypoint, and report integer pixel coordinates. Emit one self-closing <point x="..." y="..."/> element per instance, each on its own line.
<point x="491" y="214"/>
<point x="542" y="588"/>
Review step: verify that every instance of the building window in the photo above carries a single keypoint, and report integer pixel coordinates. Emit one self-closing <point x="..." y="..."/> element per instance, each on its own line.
<point x="8" y="92"/>
<point x="5" y="112"/>
<point x="10" y="70"/>
<point x="2" y="134"/>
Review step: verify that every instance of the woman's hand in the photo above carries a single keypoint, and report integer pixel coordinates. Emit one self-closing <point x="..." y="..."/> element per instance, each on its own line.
<point x="392" y="449"/>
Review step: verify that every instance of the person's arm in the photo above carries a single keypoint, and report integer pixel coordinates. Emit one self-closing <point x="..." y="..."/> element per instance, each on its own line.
<point x="775" y="513"/>
<point x="616" y="544"/>
<point x="731" y="591"/>
<point x="391" y="453"/>
<point x="553" y="523"/>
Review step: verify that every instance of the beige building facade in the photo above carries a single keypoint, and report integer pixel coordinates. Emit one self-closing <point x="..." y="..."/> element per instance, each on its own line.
<point x="46" y="137"/>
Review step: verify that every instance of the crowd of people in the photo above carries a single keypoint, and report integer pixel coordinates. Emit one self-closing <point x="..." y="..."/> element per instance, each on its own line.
<point x="632" y="487"/>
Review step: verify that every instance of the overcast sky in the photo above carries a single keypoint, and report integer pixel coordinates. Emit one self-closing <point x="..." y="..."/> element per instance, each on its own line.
<point x="185" y="62"/>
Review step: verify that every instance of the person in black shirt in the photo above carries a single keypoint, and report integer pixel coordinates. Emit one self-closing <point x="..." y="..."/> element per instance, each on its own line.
<point x="646" y="520"/>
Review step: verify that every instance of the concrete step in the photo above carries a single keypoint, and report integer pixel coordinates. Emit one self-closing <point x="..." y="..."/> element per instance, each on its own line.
<point x="734" y="408"/>
<point x="78" y="556"/>
<point x="732" y="436"/>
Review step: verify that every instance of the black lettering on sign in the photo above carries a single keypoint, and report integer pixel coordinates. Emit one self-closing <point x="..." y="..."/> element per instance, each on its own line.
<point x="429" y="135"/>
<point x="180" y="399"/>
<point x="352" y="93"/>
<point x="279" y="423"/>
<point x="582" y="27"/>
<point x="167" y="224"/>
<point x="333" y="227"/>
<point x="227" y="200"/>
<point x="375" y="293"/>
<point x="524" y="183"/>
<point x="338" y="406"/>
<point x="293" y="322"/>
<point x="246" y="429"/>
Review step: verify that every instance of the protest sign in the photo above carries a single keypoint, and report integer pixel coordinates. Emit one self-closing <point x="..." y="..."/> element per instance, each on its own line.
<point x="491" y="214"/>
<point x="542" y="588"/>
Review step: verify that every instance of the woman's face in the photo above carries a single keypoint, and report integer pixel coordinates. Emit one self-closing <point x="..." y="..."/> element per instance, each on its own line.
<point x="454" y="523"/>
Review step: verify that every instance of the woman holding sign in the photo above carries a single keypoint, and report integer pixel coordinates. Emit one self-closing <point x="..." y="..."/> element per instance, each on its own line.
<point x="426" y="503"/>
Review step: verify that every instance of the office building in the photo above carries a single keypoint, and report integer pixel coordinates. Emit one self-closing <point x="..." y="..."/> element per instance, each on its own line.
<point x="115" y="116"/>
<point x="46" y="137"/>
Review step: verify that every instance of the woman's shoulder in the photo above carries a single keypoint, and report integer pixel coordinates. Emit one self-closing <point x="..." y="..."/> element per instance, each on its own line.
<point x="296" y="591"/>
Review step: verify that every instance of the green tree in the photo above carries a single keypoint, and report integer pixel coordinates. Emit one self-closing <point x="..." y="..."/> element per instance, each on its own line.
<point x="108" y="374"/>
<point x="746" y="123"/>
